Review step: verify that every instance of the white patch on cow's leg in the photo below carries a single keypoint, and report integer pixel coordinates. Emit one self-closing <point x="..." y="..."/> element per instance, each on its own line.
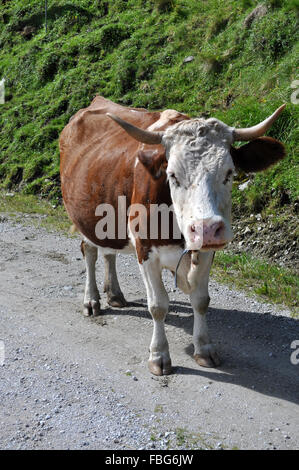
<point x="111" y="285"/>
<point x="157" y="298"/>
<point x="204" y="351"/>
<point x="159" y="361"/>
<point x="91" y="295"/>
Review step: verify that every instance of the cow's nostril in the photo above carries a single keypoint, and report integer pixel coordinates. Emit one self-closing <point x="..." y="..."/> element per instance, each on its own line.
<point x="218" y="231"/>
<point x="192" y="228"/>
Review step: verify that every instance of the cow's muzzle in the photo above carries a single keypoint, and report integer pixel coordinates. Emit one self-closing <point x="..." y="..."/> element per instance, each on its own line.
<point x="207" y="234"/>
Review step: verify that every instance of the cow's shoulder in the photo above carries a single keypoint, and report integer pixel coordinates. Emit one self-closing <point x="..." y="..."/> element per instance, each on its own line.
<point x="153" y="157"/>
<point x="168" y="118"/>
<point x="151" y="185"/>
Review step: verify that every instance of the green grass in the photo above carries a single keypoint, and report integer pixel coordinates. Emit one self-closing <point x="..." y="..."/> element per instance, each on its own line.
<point x="133" y="52"/>
<point x="267" y="281"/>
<point x="52" y="217"/>
<point x="158" y="409"/>
<point x="191" y="440"/>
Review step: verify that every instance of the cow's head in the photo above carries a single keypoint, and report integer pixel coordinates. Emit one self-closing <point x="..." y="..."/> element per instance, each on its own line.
<point x="200" y="166"/>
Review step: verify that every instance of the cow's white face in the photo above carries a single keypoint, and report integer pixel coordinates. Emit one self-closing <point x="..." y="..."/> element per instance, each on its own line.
<point x="200" y="172"/>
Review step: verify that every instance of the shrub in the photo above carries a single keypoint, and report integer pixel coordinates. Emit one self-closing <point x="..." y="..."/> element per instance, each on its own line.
<point x="48" y="66"/>
<point x="112" y="35"/>
<point x="163" y="5"/>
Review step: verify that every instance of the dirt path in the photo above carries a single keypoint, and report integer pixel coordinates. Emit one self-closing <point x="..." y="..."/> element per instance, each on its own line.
<point x="75" y="382"/>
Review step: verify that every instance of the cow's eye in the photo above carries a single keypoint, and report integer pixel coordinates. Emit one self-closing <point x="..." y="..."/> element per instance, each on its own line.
<point x="228" y="175"/>
<point x="174" y="179"/>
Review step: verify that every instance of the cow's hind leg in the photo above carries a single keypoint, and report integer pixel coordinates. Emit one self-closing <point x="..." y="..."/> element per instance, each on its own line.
<point x="111" y="285"/>
<point x="91" y="295"/>
<point x="157" y="298"/>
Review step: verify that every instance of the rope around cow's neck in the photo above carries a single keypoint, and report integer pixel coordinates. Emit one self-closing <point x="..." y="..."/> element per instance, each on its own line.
<point x="176" y="270"/>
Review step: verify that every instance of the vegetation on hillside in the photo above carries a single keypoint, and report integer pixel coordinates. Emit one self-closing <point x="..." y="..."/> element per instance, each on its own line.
<point x="208" y="58"/>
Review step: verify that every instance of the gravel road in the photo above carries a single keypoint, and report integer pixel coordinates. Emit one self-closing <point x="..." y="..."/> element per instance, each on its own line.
<point x="71" y="382"/>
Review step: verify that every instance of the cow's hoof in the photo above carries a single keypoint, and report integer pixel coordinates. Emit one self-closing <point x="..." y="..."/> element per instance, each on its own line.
<point x="92" y="308"/>
<point x="208" y="357"/>
<point x="117" y="301"/>
<point x="160" y="366"/>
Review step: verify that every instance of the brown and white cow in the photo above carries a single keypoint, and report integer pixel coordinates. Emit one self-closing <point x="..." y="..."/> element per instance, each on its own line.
<point x="128" y="158"/>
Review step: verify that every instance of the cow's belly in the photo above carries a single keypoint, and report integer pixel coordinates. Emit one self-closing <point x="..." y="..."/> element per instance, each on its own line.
<point x="126" y="250"/>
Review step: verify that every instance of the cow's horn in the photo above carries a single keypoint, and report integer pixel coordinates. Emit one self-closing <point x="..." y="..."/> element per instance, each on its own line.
<point x="260" y="129"/>
<point x="147" y="137"/>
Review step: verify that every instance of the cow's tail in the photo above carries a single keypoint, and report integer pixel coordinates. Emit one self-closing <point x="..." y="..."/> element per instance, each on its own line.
<point x="73" y="229"/>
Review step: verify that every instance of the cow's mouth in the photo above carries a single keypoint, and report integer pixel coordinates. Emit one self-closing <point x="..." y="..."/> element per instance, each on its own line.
<point x="214" y="247"/>
<point x="209" y="247"/>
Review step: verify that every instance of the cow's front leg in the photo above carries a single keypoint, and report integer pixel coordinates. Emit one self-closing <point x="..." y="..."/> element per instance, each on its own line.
<point x="159" y="360"/>
<point x="91" y="295"/>
<point x="111" y="285"/>
<point x="204" y="350"/>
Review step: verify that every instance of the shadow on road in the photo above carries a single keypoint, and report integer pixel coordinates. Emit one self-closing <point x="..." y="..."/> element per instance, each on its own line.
<point x="255" y="348"/>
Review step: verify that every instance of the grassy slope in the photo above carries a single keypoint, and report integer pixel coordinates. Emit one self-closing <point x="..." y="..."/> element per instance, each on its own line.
<point x="132" y="52"/>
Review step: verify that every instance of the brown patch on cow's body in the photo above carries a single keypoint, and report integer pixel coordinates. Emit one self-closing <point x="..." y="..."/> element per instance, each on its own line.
<point x="154" y="161"/>
<point x="152" y="191"/>
<point x="98" y="164"/>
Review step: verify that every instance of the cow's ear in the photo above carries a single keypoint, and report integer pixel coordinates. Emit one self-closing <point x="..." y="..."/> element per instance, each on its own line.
<point x="258" y="154"/>
<point x="154" y="161"/>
